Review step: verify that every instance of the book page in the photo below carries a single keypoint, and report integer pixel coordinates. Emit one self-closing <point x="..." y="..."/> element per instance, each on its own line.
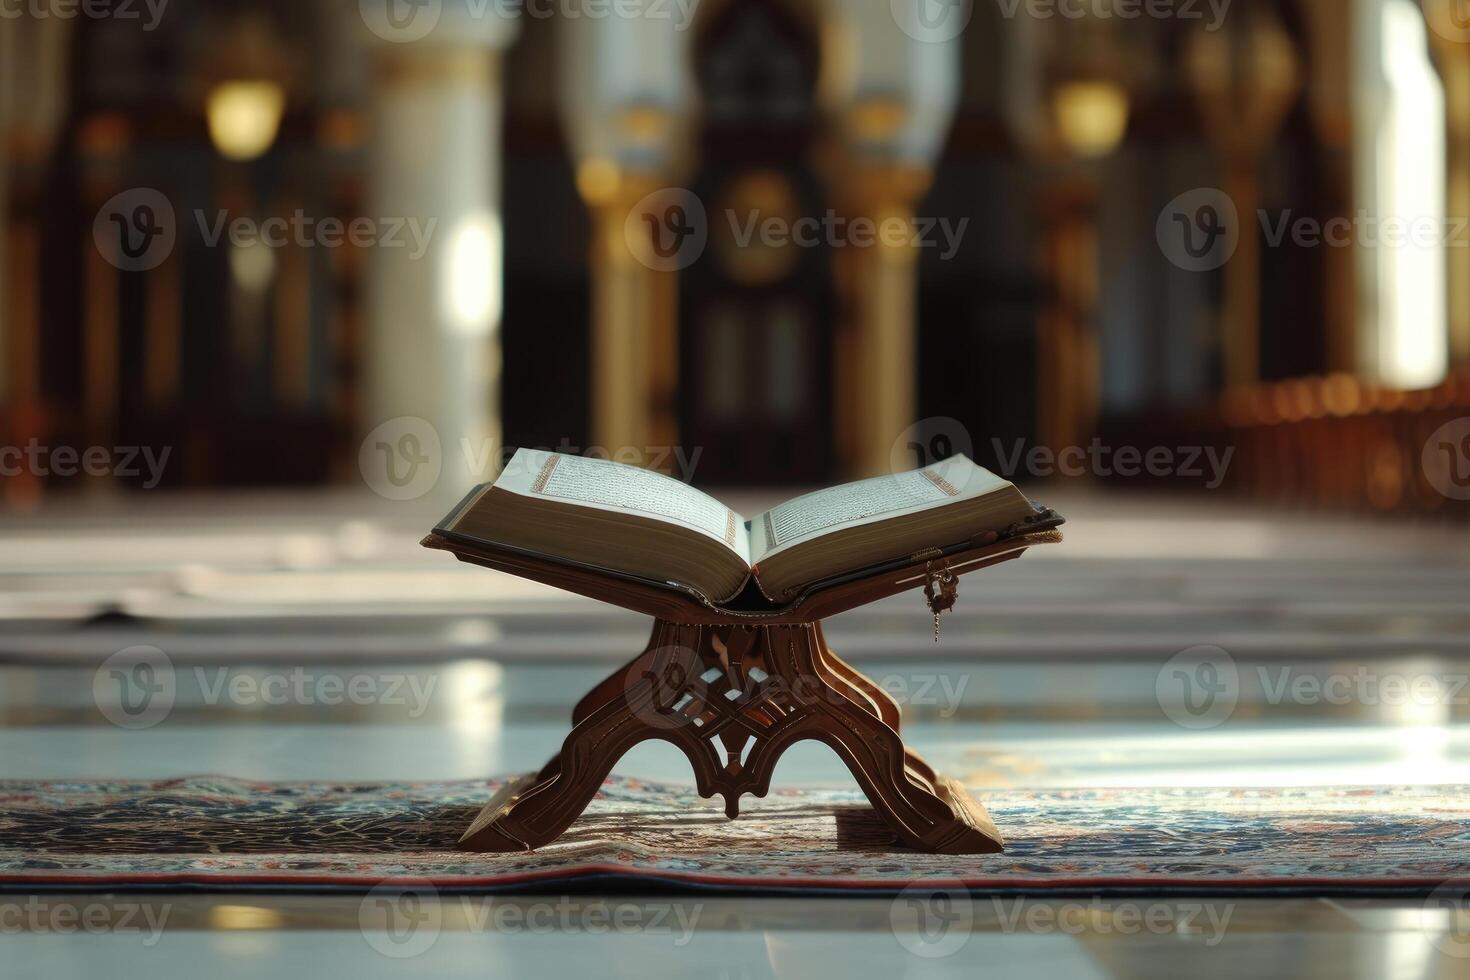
<point x="867" y="501"/>
<point x="606" y="485"/>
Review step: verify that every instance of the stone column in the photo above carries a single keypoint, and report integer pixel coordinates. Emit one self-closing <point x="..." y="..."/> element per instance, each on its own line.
<point x="876" y="350"/>
<point x="635" y="328"/>
<point x="433" y="319"/>
<point x="891" y="93"/>
<point x="625" y="101"/>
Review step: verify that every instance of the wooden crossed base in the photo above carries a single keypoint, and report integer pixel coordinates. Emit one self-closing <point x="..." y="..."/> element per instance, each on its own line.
<point x="733" y="689"/>
<point x="733" y="699"/>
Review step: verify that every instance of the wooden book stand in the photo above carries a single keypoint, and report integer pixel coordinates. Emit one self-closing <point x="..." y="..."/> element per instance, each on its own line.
<point x="733" y="688"/>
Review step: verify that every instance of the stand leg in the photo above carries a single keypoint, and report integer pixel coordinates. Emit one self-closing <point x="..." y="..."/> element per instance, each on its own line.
<point x="733" y="699"/>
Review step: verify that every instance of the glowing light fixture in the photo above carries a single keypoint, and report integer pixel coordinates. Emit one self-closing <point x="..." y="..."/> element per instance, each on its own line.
<point x="244" y="117"/>
<point x="598" y="180"/>
<point x="253" y="266"/>
<point x="1091" y="116"/>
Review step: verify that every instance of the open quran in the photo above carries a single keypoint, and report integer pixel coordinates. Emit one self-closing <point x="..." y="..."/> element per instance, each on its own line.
<point x="620" y="519"/>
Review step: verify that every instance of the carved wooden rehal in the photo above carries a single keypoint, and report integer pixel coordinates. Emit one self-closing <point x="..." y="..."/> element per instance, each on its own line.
<point x="733" y="689"/>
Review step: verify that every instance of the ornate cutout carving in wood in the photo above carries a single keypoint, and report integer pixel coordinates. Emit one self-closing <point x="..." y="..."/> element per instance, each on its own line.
<point x="733" y="698"/>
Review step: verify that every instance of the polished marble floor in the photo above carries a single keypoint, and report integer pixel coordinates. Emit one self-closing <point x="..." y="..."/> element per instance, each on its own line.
<point x="643" y="937"/>
<point x="1346" y="644"/>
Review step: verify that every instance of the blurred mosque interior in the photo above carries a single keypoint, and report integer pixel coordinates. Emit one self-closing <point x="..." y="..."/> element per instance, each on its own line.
<point x="1200" y="280"/>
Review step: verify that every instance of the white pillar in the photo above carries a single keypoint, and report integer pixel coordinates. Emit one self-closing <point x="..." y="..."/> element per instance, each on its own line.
<point x="1399" y="112"/>
<point x="433" y="319"/>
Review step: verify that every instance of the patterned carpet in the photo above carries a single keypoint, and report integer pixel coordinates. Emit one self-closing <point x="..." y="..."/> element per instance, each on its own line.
<point x="218" y="833"/>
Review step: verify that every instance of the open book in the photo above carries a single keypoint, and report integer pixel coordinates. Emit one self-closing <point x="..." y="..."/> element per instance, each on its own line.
<point x="641" y="523"/>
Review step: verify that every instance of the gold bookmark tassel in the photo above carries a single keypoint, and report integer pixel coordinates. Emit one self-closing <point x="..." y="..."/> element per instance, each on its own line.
<point x="941" y="589"/>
